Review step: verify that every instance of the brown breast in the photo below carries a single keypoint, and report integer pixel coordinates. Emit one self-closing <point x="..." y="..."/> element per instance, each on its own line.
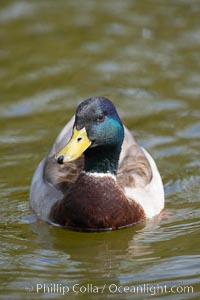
<point x="96" y="203"/>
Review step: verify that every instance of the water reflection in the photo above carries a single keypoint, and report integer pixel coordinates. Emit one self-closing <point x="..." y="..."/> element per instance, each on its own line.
<point x="94" y="254"/>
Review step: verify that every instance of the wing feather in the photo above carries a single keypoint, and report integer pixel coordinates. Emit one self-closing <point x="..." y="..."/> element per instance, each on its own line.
<point x="134" y="169"/>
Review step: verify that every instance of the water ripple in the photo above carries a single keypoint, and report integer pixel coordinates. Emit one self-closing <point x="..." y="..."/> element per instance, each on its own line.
<point x="33" y="104"/>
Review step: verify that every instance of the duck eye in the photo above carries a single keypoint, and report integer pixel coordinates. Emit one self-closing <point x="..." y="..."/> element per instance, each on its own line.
<point x="100" y="118"/>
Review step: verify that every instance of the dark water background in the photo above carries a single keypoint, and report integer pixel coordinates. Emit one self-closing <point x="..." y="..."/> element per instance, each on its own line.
<point x="144" y="56"/>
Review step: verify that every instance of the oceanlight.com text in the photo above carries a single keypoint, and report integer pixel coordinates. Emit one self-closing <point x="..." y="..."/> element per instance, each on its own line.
<point x="112" y="288"/>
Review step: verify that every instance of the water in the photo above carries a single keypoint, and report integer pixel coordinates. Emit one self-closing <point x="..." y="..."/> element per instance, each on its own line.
<point x="144" y="56"/>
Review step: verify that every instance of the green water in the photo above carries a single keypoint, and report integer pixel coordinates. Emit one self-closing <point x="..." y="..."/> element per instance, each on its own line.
<point x="145" y="57"/>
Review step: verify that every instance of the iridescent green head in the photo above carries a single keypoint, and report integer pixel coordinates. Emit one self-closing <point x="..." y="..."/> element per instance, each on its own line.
<point x="98" y="133"/>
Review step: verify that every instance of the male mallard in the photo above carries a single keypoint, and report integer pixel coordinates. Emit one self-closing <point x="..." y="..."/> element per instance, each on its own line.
<point x="96" y="177"/>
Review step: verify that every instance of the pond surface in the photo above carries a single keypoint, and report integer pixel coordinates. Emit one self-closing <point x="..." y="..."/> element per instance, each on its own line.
<point x="145" y="57"/>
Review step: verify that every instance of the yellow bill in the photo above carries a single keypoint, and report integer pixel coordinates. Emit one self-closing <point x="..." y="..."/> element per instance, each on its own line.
<point x="78" y="143"/>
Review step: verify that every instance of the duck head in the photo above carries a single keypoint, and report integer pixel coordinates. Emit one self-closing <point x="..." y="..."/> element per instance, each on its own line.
<point x="97" y="132"/>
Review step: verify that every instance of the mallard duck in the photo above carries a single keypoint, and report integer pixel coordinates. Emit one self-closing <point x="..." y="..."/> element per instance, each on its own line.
<point x="96" y="177"/>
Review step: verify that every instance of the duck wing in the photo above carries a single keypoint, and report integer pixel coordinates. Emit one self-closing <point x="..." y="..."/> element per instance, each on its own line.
<point x="51" y="180"/>
<point x="139" y="177"/>
<point x="134" y="168"/>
